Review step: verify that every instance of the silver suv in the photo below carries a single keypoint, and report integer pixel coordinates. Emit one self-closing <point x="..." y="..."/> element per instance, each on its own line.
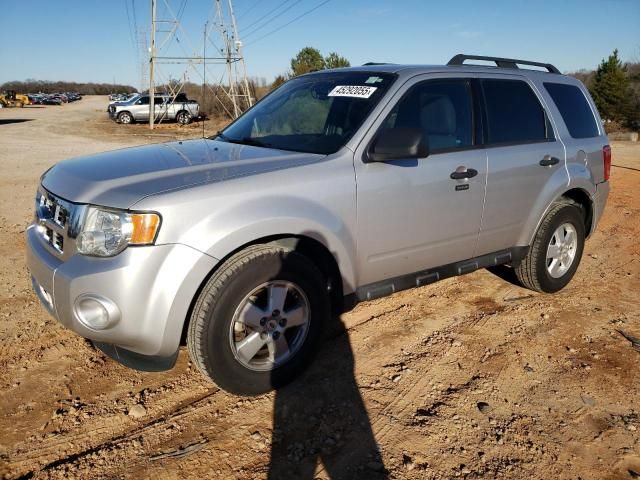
<point x="166" y="107"/>
<point x="340" y="186"/>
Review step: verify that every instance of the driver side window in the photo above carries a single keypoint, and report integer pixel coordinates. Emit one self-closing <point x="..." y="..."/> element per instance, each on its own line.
<point x="443" y="109"/>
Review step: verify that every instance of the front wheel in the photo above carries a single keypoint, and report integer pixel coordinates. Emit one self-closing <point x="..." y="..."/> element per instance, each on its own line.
<point x="556" y="250"/>
<point x="125" y="118"/>
<point x="257" y="321"/>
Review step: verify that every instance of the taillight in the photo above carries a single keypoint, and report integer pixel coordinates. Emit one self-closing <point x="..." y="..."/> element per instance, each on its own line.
<point x="606" y="157"/>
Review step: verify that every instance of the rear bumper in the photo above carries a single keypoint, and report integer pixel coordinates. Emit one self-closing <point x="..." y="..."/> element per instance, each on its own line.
<point x="599" y="200"/>
<point x="152" y="288"/>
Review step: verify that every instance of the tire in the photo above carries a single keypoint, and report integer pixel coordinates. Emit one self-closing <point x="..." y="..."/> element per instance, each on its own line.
<point x="125" y="118"/>
<point x="243" y="283"/>
<point x="183" y="117"/>
<point x="553" y="260"/>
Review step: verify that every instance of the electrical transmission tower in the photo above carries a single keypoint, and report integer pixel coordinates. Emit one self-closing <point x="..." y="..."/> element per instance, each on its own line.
<point x="168" y="35"/>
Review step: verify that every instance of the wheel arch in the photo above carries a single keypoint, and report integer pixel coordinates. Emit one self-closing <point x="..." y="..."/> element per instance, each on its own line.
<point x="582" y="198"/>
<point x="575" y="194"/>
<point x="313" y="249"/>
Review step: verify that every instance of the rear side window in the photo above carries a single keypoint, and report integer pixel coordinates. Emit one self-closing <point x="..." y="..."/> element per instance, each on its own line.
<point x="575" y="110"/>
<point x="514" y="114"/>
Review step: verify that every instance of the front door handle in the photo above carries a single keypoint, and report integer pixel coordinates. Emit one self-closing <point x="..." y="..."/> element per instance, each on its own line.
<point x="548" y="160"/>
<point x="463" y="172"/>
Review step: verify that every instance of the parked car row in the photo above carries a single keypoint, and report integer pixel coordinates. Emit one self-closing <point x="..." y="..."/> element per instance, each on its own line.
<point x="166" y="107"/>
<point x="53" y="98"/>
<point x="121" y="97"/>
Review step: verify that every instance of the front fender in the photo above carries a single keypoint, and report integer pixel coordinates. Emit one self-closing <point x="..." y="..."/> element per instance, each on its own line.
<point x="228" y="229"/>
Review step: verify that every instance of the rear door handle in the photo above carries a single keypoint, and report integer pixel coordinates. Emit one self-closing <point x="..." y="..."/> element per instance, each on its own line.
<point x="463" y="172"/>
<point x="548" y="160"/>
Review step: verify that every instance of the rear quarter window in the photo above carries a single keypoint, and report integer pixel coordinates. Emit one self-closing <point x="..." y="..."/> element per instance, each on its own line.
<point x="575" y="110"/>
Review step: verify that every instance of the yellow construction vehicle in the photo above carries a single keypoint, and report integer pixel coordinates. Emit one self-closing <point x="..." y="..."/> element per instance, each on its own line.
<point x="13" y="99"/>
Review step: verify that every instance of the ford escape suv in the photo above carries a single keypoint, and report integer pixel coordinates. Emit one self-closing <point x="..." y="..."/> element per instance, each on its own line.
<point x="341" y="184"/>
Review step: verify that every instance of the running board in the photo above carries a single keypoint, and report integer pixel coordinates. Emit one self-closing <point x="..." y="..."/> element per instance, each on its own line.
<point x="425" y="277"/>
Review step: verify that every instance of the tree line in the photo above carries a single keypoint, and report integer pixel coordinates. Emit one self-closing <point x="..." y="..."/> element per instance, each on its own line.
<point x="45" y="86"/>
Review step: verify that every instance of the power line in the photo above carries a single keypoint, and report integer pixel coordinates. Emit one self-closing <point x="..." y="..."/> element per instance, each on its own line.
<point x="133" y="43"/>
<point x="289" y="23"/>
<point x="135" y="19"/>
<point x="244" y="12"/>
<point x="265" y="15"/>
<point x="267" y="22"/>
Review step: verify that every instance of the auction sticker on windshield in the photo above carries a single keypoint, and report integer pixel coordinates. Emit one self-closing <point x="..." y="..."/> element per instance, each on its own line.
<point x="352" y="91"/>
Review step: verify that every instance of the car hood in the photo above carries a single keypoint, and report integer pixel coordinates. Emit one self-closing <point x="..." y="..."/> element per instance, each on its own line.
<point x="121" y="178"/>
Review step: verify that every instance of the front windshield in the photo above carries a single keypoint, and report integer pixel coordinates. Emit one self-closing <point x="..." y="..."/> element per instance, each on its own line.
<point x="316" y="113"/>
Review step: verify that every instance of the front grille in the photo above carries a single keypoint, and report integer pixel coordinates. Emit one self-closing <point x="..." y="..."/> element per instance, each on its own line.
<point x="55" y="220"/>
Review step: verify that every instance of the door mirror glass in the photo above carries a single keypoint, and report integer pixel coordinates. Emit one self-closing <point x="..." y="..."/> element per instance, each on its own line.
<point x="398" y="144"/>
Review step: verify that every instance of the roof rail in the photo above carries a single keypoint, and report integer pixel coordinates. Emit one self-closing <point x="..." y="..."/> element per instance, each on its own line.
<point x="501" y="62"/>
<point x="368" y="64"/>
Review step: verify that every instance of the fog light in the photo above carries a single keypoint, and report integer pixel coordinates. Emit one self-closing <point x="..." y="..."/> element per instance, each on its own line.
<point x="96" y="312"/>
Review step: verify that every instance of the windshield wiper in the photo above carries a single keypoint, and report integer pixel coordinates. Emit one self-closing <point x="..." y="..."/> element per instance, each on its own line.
<point x="244" y="141"/>
<point x="254" y="141"/>
<point x="221" y="135"/>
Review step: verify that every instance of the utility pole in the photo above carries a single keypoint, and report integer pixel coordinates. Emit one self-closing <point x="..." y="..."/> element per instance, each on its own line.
<point x="238" y="45"/>
<point x="152" y="59"/>
<point x="228" y="58"/>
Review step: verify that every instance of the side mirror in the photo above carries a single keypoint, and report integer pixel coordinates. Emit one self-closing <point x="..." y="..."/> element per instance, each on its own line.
<point x="398" y="144"/>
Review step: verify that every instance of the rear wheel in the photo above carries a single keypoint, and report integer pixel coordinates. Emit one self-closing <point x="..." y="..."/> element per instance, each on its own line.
<point x="257" y="321"/>
<point x="183" y="118"/>
<point x="556" y="251"/>
<point x="125" y="118"/>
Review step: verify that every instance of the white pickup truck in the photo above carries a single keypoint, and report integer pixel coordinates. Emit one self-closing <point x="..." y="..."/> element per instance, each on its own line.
<point x="166" y="107"/>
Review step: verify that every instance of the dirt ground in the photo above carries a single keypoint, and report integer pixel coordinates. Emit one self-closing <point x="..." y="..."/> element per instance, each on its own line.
<point x="472" y="377"/>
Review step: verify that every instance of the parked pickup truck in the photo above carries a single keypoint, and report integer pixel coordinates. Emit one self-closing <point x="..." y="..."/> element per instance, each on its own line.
<point x="341" y="185"/>
<point x="136" y="109"/>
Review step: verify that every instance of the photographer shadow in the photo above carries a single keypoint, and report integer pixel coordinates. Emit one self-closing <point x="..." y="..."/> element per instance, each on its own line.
<point x="321" y="418"/>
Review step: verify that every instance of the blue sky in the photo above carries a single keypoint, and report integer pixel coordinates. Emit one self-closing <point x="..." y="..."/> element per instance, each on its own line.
<point x="92" y="40"/>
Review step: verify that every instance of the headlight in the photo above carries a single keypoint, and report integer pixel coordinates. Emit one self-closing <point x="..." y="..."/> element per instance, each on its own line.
<point x="108" y="232"/>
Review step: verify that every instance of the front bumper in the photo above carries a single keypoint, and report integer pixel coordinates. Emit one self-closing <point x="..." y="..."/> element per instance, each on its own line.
<point x="152" y="286"/>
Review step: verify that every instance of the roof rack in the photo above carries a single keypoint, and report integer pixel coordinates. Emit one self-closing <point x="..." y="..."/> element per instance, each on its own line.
<point x="368" y="64"/>
<point x="501" y="62"/>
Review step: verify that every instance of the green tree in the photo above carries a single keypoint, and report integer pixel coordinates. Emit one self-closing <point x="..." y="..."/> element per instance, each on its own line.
<point x="307" y="60"/>
<point x="279" y="80"/>
<point x="333" y="60"/>
<point x="610" y="89"/>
